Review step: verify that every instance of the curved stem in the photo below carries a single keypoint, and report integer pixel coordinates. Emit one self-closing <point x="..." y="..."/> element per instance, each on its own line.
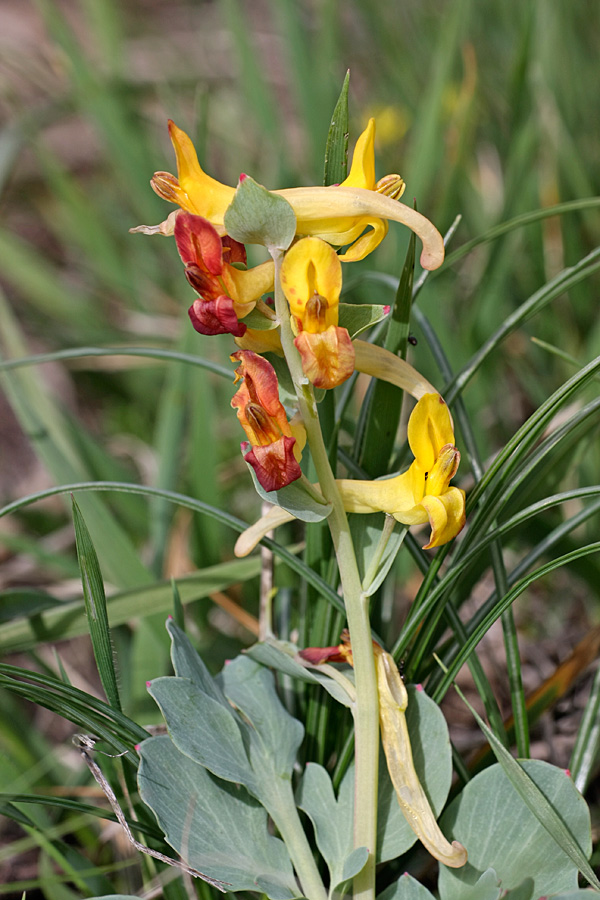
<point x="366" y="710"/>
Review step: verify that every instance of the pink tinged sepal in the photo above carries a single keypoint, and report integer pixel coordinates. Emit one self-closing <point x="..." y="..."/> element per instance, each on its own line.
<point x="216" y="317"/>
<point x="275" y="465"/>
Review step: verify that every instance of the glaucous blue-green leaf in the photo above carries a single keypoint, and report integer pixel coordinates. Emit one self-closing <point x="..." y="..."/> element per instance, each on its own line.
<point x="280" y="655"/>
<point x="256" y="216"/>
<point x="357" y="317"/>
<point x="188" y="663"/>
<point x="294" y="498"/>
<point x="487" y="887"/>
<point x="332" y="821"/>
<point x="203" y="729"/>
<point x="582" y="894"/>
<point x="500" y="831"/>
<point x="274" y="735"/>
<point x="433" y="763"/>
<point x="217" y="827"/>
<point x="523" y="892"/>
<point x="406" y="888"/>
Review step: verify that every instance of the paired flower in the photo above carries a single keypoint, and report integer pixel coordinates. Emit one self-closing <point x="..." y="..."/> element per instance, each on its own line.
<point x="338" y="214"/>
<point x="311" y="278"/>
<point x="226" y="293"/>
<point x="419" y="495"/>
<point x="273" y="450"/>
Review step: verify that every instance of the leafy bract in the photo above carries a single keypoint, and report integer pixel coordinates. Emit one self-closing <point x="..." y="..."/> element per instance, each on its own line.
<point x="406" y="888"/>
<point x="256" y="216"/>
<point x="295" y="499"/>
<point x="280" y="655"/>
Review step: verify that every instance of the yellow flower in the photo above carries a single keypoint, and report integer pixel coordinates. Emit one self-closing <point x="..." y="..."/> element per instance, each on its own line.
<point x="311" y="278"/>
<point x="338" y="214"/>
<point x="421" y="494"/>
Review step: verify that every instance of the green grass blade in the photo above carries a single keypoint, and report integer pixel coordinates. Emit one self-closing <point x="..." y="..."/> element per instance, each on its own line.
<point x="95" y="606"/>
<point x="48" y="431"/>
<point x="587" y="742"/>
<point x="336" y="149"/>
<point x="90" y="714"/>
<point x="155" y="353"/>
<point x="383" y="405"/>
<point x="462" y="656"/>
<point x="236" y="524"/>
<point x="519" y="221"/>
<point x="540" y="299"/>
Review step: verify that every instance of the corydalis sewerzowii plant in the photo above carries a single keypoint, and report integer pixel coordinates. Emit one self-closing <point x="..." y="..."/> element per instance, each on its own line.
<point x="304" y="229"/>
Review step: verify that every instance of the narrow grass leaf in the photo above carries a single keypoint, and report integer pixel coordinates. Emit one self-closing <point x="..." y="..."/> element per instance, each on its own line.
<point x="236" y="524"/>
<point x="383" y="405"/>
<point x="336" y="148"/>
<point x="94" y="599"/>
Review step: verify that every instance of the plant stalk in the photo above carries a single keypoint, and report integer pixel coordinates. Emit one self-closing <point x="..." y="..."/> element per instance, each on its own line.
<point x="366" y="710"/>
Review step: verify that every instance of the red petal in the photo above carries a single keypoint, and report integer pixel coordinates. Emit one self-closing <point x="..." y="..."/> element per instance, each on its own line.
<point x="199" y="243"/>
<point x="319" y="655"/>
<point x="216" y="317"/>
<point x="275" y="465"/>
<point x="233" y="251"/>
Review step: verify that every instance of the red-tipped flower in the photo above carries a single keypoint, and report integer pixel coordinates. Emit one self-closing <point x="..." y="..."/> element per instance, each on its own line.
<point x="226" y="293"/>
<point x="273" y="449"/>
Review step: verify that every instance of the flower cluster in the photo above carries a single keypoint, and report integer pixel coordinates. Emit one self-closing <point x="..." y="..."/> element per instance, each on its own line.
<point x="333" y="225"/>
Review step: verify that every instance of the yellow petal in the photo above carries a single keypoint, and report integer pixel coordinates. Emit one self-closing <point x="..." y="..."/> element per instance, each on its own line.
<point x="261" y="341"/>
<point x="377" y="230"/>
<point x="327" y="356"/>
<point x="206" y="196"/>
<point x="311" y="266"/>
<point x="380" y="363"/>
<point x="246" y="286"/>
<point x="446" y="516"/>
<point x="429" y="429"/>
<point x="362" y="171"/>
<point x="316" y="205"/>
<point x="389" y="495"/>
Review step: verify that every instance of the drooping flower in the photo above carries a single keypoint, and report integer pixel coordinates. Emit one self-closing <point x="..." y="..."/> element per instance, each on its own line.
<point x="393" y="701"/>
<point x="226" y="293"/>
<point x="311" y="278"/>
<point x="338" y="214"/>
<point x="273" y="451"/>
<point x="419" y="495"/>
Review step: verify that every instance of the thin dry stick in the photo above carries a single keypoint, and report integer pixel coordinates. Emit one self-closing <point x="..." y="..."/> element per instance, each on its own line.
<point x="85" y="745"/>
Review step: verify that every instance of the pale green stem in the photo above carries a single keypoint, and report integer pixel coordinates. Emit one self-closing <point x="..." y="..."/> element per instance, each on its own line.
<point x="366" y="711"/>
<point x="384" y="537"/>
<point x="284" y="812"/>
